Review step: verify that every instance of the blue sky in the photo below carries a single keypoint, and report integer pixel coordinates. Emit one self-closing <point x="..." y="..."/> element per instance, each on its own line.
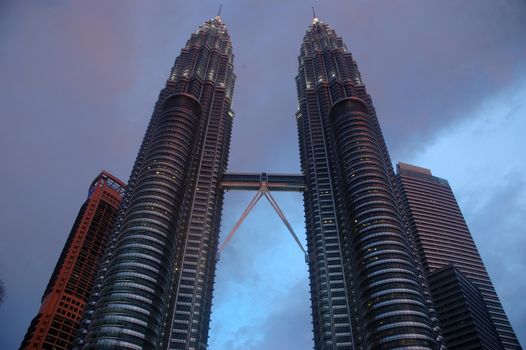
<point x="79" y="80"/>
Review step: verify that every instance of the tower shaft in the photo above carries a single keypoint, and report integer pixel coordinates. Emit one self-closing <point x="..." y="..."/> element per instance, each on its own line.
<point x="154" y="290"/>
<point x="366" y="287"/>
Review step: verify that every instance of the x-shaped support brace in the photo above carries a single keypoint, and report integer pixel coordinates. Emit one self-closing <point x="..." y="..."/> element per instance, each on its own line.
<point x="263" y="191"/>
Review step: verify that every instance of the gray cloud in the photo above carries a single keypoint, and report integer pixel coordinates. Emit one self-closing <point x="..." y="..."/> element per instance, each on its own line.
<point x="498" y="227"/>
<point x="285" y="328"/>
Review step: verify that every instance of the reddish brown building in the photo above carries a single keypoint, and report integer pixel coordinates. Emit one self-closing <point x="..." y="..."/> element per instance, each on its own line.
<point x="57" y="321"/>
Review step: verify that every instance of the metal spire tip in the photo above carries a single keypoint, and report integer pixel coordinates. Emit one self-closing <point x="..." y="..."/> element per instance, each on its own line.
<point x="314" y="18"/>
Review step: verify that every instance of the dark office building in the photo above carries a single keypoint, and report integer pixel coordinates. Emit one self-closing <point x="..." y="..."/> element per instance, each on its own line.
<point x="367" y="289"/>
<point x="443" y="238"/>
<point x="466" y="323"/>
<point x="155" y="287"/>
<point x="63" y="302"/>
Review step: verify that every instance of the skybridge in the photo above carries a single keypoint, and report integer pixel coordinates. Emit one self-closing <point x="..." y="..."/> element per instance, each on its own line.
<point x="254" y="181"/>
<point x="263" y="184"/>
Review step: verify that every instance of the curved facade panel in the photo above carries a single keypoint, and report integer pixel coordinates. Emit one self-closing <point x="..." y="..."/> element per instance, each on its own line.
<point x="133" y="298"/>
<point x="380" y="254"/>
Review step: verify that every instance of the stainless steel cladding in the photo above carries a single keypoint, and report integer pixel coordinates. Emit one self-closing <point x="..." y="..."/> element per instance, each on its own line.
<point x="368" y="291"/>
<point x="154" y="290"/>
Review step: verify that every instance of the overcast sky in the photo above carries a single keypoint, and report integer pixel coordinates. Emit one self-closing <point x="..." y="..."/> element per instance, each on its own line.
<point x="78" y="81"/>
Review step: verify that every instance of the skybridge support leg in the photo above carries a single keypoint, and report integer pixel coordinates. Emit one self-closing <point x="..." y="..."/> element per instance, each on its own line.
<point x="276" y="207"/>
<point x="249" y="208"/>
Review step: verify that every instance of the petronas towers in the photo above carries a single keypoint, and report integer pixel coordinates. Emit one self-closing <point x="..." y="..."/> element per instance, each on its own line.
<point x="368" y="286"/>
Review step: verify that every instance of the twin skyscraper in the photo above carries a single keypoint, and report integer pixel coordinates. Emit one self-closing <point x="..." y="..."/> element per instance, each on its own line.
<point x="369" y="253"/>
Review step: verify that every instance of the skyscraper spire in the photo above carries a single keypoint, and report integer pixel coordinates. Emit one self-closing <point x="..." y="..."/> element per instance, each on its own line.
<point x="314" y="18"/>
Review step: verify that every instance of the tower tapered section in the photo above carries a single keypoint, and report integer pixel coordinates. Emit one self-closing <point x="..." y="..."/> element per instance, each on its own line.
<point x="205" y="70"/>
<point x="155" y="287"/>
<point x="367" y="289"/>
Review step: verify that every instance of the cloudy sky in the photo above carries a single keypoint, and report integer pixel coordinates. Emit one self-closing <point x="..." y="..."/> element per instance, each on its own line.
<point x="78" y="81"/>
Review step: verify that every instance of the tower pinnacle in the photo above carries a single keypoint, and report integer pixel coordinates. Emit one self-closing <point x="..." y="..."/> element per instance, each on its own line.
<point x="218" y="17"/>
<point x="314" y="18"/>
